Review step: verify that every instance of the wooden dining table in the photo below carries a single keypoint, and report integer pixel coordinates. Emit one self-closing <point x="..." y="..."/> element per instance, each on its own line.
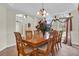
<point x="35" y="42"/>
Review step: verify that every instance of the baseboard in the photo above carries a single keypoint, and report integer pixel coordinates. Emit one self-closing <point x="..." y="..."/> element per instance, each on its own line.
<point x="3" y="48"/>
<point x="75" y="43"/>
<point x="11" y="45"/>
<point x="7" y="46"/>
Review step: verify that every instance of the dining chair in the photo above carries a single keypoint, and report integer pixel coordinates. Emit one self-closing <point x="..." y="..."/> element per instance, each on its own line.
<point x="38" y="34"/>
<point x="29" y="35"/>
<point x="21" y="47"/>
<point x="48" y="48"/>
<point x="60" y="38"/>
<point x="55" y="45"/>
<point x="51" y="47"/>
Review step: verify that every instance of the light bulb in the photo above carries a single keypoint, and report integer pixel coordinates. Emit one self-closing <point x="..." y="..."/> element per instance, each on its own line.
<point x="44" y="12"/>
<point x="47" y="14"/>
<point x="37" y="13"/>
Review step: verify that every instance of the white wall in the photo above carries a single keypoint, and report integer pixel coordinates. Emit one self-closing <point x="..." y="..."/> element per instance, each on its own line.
<point x="19" y="27"/>
<point x="11" y="26"/>
<point x="75" y="26"/>
<point x="3" y="31"/>
<point x="19" y="24"/>
<point x="7" y="26"/>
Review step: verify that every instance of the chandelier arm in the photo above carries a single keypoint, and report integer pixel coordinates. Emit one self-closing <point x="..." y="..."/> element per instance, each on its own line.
<point x="42" y="5"/>
<point x="42" y="12"/>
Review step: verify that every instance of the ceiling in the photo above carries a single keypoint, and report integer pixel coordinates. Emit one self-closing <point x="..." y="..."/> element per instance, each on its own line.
<point x="52" y="8"/>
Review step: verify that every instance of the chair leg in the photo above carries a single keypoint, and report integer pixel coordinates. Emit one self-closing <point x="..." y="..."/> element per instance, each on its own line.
<point x="18" y="54"/>
<point x="60" y="45"/>
<point x="53" y="52"/>
<point x="55" y="48"/>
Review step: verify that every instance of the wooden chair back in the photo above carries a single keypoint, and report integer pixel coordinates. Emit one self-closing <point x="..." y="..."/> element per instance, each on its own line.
<point x="49" y="46"/>
<point x="60" y="38"/>
<point x="38" y="34"/>
<point x="29" y="35"/>
<point x="54" y="40"/>
<point x="19" y="43"/>
<point x="47" y="51"/>
<point x="51" y="42"/>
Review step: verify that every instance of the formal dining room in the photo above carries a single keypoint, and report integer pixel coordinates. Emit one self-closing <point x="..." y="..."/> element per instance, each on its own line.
<point x="39" y="29"/>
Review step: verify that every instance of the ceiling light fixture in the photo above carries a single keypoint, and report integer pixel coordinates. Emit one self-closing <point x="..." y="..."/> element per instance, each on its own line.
<point x="42" y="12"/>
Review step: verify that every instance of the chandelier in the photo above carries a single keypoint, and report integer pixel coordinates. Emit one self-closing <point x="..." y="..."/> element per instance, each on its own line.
<point x="42" y="12"/>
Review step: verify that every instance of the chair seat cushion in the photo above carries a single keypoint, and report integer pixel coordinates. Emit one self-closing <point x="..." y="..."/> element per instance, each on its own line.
<point x="43" y="47"/>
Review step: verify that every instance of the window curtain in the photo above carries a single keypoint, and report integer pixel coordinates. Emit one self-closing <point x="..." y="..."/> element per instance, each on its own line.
<point x="68" y="32"/>
<point x="70" y="23"/>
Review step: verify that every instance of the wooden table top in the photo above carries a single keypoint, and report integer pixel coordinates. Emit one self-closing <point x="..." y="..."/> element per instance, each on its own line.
<point x="36" y="42"/>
